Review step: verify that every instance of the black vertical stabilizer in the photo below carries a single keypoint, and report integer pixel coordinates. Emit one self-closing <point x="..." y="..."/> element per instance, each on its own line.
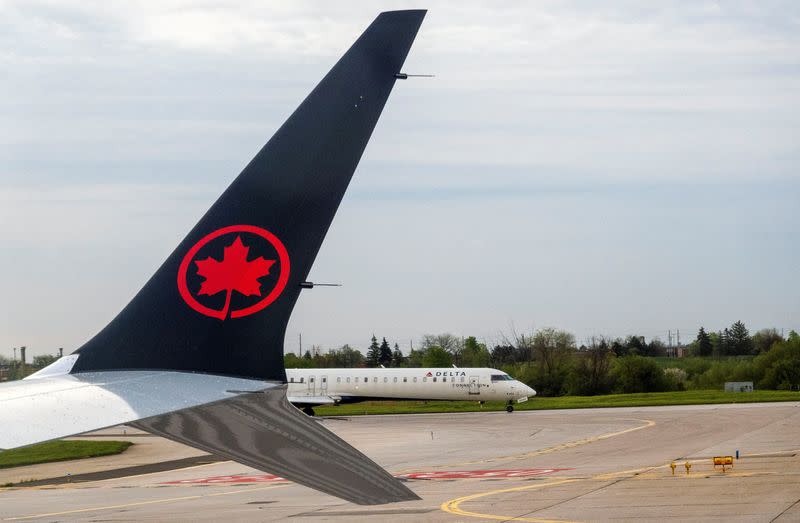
<point x="221" y="302"/>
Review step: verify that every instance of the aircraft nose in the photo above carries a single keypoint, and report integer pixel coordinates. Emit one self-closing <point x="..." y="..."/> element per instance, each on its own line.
<point x="530" y="391"/>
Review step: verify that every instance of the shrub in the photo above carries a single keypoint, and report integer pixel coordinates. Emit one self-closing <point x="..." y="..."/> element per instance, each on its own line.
<point x="638" y="374"/>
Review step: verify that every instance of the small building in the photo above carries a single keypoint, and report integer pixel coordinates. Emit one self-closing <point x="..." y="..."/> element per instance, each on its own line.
<point x="738" y="386"/>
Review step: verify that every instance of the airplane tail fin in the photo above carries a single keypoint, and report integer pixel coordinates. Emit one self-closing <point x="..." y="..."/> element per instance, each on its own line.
<point x="221" y="301"/>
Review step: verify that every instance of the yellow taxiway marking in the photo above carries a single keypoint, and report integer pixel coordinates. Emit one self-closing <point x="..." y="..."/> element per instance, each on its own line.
<point x="562" y="446"/>
<point x="453" y="506"/>
<point x="139" y="503"/>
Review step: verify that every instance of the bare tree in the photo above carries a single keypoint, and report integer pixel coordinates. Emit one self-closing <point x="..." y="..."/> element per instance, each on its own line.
<point x="449" y="342"/>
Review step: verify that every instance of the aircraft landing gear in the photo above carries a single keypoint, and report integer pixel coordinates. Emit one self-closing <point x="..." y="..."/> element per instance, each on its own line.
<point x="509" y="406"/>
<point x="308" y="410"/>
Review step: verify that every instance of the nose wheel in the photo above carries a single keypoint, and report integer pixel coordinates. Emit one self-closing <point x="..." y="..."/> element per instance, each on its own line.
<point x="509" y="406"/>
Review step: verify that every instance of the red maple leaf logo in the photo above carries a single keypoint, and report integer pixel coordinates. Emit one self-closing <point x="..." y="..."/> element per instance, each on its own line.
<point x="233" y="273"/>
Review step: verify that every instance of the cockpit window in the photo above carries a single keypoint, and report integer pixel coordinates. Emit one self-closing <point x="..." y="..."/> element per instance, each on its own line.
<point x="501" y="377"/>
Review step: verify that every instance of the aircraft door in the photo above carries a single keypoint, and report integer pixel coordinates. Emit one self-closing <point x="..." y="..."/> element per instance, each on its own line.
<point x="311" y="385"/>
<point x="474" y="384"/>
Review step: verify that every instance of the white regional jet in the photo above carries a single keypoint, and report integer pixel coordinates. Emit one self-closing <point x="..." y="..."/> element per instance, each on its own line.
<point x="311" y="387"/>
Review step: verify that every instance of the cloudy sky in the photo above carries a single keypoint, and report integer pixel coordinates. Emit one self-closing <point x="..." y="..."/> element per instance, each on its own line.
<point x="603" y="167"/>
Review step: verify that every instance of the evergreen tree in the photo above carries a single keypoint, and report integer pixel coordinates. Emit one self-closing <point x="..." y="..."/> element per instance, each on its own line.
<point x="739" y="340"/>
<point x="722" y="344"/>
<point x="397" y="356"/>
<point x="374" y="353"/>
<point x="385" y="356"/>
<point x="704" y="346"/>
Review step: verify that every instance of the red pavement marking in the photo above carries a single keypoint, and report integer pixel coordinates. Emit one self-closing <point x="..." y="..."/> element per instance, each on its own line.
<point x="439" y="474"/>
<point x="477" y="474"/>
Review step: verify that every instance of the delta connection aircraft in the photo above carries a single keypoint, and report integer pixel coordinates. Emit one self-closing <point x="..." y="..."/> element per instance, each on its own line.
<point x="197" y="355"/>
<point x="311" y="387"/>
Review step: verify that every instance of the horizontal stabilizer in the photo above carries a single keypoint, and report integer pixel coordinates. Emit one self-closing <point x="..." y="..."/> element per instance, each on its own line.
<point x="314" y="400"/>
<point x="49" y="407"/>
<point x="262" y="430"/>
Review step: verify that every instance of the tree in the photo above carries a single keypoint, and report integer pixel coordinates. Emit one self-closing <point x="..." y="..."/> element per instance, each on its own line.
<point x="739" y="340"/>
<point x="345" y="357"/>
<point x="385" y="357"/>
<point x="292" y="361"/>
<point x="656" y="347"/>
<point x="397" y="356"/>
<point x="619" y="348"/>
<point x="415" y="358"/>
<point x="779" y="368"/>
<point x="374" y="353"/>
<point x="764" y="339"/>
<point x="591" y="373"/>
<point x="553" y="351"/>
<point x="437" y="357"/>
<point x="703" y="341"/>
<point x="638" y="374"/>
<point x="44" y="360"/>
<point x="719" y="342"/>
<point x="502" y="355"/>
<point x="446" y="341"/>
<point x="636" y="345"/>
<point x="474" y="354"/>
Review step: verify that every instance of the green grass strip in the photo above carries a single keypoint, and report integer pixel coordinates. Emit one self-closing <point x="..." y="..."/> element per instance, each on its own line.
<point x="648" y="399"/>
<point x="60" y="450"/>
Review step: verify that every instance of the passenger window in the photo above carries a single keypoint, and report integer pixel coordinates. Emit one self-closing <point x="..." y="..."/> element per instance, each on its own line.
<point x="395" y="380"/>
<point x="462" y="379"/>
<point x="375" y="379"/>
<point x="424" y="379"/>
<point x="339" y="379"/>
<point x="415" y="379"/>
<point x="301" y="380"/>
<point x="324" y="380"/>
<point x="291" y="380"/>
<point x="385" y="379"/>
<point x="348" y="380"/>
<point x="444" y="380"/>
<point x="405" y="380"/>
<point x="434" y="380"/>
<point x="311" y="380"/>
<point x="366" y="380"/>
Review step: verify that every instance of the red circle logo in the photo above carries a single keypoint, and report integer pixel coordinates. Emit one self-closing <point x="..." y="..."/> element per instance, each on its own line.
<point x="237" y="271"/>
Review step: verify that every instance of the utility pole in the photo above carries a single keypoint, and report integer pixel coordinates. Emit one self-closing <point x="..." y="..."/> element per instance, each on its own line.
<point x="669" y="344"/>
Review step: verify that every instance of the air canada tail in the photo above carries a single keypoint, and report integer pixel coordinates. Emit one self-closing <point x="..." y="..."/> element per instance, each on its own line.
<point x="208" y="327"/>
<point x="221" y="302"/>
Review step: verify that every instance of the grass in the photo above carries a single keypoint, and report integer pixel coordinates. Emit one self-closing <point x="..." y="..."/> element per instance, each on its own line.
<point x="60" y="450"/>
<point x="648" y="399"/>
